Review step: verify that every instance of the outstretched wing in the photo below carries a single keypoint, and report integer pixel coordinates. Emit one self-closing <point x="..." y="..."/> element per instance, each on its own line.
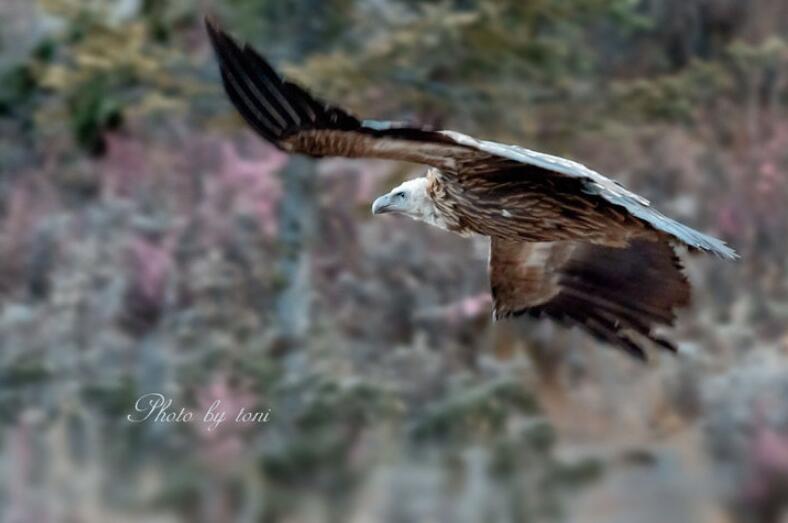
<point x="289" y="117"/>
<point x="501" y="157"/>
<point x="618" y="295"/>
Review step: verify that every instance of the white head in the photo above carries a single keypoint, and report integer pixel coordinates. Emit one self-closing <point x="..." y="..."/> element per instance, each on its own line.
<point x="411" y="199"/>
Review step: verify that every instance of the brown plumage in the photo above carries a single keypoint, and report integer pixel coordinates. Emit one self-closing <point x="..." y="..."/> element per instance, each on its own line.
<point x="618" y="294"/>
<point x="566" y="242"/>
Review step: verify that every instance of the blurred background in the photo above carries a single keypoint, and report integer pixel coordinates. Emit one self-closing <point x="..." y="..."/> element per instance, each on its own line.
<point x="151" y="243"/>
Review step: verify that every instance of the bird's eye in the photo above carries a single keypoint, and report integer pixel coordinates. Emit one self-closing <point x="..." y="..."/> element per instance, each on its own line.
<point x="400" y="194"/>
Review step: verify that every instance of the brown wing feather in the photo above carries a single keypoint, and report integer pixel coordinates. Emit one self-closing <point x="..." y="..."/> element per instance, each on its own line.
<point x="619" y="295"/>
<point x="289" y="117"/>
<point x="496" y="157"/>
<point x="527" y="203"/>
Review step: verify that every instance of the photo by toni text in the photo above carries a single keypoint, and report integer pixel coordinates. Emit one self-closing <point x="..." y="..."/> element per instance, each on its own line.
<point x="157" y="408"/>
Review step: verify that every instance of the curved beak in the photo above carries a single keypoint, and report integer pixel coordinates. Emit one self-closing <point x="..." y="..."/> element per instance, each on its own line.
<point x="382" y="205"/>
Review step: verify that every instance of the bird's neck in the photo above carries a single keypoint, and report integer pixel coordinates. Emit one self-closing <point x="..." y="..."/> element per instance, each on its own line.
<point x="438" y="210"/>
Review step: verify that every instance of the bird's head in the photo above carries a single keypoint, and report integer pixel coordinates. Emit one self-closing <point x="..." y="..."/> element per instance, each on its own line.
<point x="409" y="198"/>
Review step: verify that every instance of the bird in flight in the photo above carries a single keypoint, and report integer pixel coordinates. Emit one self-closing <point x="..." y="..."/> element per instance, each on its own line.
<point x="565" y="242"/>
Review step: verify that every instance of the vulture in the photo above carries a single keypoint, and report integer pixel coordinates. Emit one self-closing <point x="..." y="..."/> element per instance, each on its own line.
<point x="565" y="242"/>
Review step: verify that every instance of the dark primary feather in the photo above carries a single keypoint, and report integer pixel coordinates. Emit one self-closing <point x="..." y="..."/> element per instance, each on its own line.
<point x="273" y="106"/>
<point x="289" y="117"/>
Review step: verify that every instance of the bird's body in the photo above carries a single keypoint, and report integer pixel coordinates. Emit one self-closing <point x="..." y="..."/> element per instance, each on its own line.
<point x="565" y="241"/>
<point x="518" y="203"/>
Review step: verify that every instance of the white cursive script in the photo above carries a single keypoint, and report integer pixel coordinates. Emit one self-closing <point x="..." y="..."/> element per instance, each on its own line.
<point x="155" y="407"/>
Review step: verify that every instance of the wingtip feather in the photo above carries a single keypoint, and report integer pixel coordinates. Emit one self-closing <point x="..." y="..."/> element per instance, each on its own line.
<point x="213" y="28"/>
